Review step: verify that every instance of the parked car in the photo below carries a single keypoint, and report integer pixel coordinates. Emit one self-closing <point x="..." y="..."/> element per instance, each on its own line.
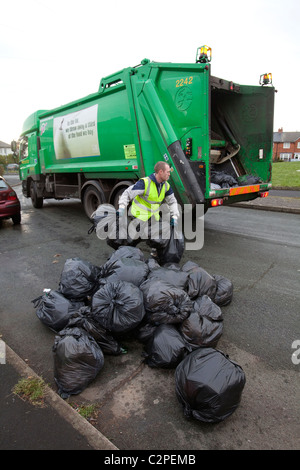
<point x="10" y="207"/>
<point x="12" y="166"/>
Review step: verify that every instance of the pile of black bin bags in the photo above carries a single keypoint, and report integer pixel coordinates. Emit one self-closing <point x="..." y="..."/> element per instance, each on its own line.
<point x="175" y="312"/>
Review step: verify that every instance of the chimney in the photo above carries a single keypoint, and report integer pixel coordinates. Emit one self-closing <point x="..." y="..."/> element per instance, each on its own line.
<point x="280" y="129"/>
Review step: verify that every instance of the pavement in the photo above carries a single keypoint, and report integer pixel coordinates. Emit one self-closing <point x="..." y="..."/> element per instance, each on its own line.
<point x="56" y="425"/>
<point x="53" y="426"/>
<point x="274" y="202"/>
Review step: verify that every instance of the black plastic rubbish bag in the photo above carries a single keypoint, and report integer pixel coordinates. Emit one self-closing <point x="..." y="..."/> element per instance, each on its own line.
<point x="103" y="218"/>
<point x="118" y="306"/>
<point x="54" y="309"/>
<point x="248" y="179"/>
<point x="105" y="221"/>
<point x="110" y="227"/>
<point x="79" y="279"/>
<point x="77" y="361"/>
<point x="204" y="326"/>
<point x="152" y="264"/>
<point x="145" y="331"/>
<point x="171" y="275"/>
<point x="174" y="266"/>
<point x="169" y="250"/>
<point x="208" y="308"/>
<point x="224" y="291"/>
<point x="125" y="269"/>
<point x="209" y="385"/>
<point x="223" y="179"/>
<point x="127" y="252"/>
<point x="166" y="348"/>
<point x="122" y="237"/>
<point x="165" y="303"/>
<point x="108" y="344"/>
<point x="200" y="282"/>
<point x="156" y="233"/>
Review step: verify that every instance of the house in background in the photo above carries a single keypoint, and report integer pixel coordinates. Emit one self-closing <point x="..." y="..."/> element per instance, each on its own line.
<point x="4" y="148"/>
<point x="286" y="146"/>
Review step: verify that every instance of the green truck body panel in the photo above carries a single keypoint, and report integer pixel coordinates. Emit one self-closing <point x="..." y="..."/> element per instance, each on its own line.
<point x="156" y="111"/>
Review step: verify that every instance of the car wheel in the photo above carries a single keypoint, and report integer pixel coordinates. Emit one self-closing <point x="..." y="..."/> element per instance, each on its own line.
<point x="16" y="219"/>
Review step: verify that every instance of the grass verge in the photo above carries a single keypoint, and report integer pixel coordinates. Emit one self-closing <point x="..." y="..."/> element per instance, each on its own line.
<point x="89" y="412"/>
<point x="286" y="174"/>
<point x="31" y="389"/>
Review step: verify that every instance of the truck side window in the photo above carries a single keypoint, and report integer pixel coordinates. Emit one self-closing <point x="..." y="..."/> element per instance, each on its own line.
<point x="24" y="148"/>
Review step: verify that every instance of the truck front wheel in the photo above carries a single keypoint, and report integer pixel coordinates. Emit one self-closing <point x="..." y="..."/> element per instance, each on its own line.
<point x="92" y="198"/>
<point x="37" y="201"/>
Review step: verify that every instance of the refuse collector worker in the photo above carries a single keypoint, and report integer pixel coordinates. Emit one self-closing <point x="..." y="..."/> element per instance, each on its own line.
<point x="147" y="195"/>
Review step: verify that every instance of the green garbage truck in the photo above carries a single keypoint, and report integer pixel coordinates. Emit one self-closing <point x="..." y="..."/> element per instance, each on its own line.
<point x="217" y="136"/>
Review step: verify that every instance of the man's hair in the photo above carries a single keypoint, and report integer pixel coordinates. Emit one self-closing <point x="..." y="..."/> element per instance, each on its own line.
<point x="160" y="166"/>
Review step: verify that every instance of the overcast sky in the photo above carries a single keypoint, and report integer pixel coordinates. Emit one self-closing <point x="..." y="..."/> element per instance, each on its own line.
<point x="54" y="52"/>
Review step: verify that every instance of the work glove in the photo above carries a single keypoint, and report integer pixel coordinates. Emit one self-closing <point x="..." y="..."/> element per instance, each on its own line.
<point x="120" y="212"/>
<point x="173" y="222"/>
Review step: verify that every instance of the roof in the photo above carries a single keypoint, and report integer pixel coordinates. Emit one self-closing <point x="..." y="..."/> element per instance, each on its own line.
<point x="3" y="145"/>
<point x="286" y="136"/>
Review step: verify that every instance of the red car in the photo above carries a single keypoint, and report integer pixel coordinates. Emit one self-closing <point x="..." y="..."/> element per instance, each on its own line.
<point x="10" y="207"/>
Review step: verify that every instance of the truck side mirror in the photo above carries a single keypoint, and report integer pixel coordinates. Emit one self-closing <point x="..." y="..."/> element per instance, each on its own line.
<point x="13" y="146"/>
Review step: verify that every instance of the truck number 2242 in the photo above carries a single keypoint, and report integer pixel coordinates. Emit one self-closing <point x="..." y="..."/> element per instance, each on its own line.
<point x="184" y="81"/>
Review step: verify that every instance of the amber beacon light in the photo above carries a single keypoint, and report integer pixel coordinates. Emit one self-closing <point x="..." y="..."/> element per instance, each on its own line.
<point x="203" y="54"/>
<point x="265" y="79"/>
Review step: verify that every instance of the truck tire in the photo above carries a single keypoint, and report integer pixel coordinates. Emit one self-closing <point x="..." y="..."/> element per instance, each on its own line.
<point x="92" y="198"/>
<point x="37" y="201"/>
<point x="117" y="197"/>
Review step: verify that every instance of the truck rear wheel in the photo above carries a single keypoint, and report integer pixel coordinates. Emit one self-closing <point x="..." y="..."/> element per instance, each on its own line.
<point x="92" y="198"/>
<point x="117" y="197"/>
<point x="37" y="201"/>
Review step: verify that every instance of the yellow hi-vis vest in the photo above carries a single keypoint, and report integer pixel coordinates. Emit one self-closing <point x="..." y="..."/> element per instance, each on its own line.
<point x="148" y="204"/>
